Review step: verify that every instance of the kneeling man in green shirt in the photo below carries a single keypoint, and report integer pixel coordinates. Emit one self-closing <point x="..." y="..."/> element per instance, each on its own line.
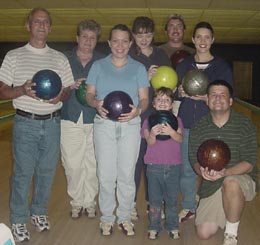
<point x="223" y="193"/>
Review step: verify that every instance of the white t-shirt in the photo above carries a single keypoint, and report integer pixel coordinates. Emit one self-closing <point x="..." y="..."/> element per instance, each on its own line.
<point x="21" y="64"/>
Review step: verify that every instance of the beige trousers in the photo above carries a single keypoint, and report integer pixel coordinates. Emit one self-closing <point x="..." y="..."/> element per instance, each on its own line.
<point x="78" y="160"/>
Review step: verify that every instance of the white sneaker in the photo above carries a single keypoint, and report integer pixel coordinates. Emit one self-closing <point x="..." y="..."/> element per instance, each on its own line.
<point x="152" y="234"/>
<point x="229" y="239"/>
<point x="91" y="212"/>
<point x="106" y="228"/>
<point x="40" y="222"/>
<point x="174" y="234"/>
<point x="20" y="232"/>
<point x="76" y="212"/>
<point x="127" y="227"/>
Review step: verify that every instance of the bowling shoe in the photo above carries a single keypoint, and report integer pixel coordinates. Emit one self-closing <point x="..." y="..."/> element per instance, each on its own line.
<point x="40" y="222"/>
<point x="127" y="228"/>
<point x="20" y="232"/>
<point x="76" y="212"/>
<point x="185" y="214"/>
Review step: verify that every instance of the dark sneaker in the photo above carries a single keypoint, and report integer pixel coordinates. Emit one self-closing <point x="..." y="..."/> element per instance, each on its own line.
<point x="185" y="215"/>
<point x="20" y="232"/>
<point x="40" y="222"/>
<point x="76" y="212"/>
<point x="174" y="234"/>
<point x="127" y="228"/>
<point x="106" y="228"/>
<point x="152" y="234"/>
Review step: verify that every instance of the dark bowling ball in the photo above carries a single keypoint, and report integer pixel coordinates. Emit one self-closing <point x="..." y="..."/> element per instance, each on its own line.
<point x="178" y="56"/>
<point x="162" y="117"/>
<point x="81" y="93"/>
<point x="117" y="102"/>
<point x="195" y="82"/>
<point x="214" y="154"/>
<point x="48" y="84"/>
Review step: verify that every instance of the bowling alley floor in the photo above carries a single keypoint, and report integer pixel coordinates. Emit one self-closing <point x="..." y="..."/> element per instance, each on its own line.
<point x="84" y="231"/>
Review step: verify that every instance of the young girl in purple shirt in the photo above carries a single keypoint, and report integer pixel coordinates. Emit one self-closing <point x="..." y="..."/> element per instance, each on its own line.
<point x="163" y="159"/>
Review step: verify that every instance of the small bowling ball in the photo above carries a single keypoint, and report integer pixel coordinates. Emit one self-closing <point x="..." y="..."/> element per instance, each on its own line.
<point x="117" y="102"/>
<point x="214" y="154"/>
<point x="162" y="117"/>
<point x="48" y="84"/>
<point x="165" y="76"/>
<point x="178" y="56"/>
<point x="81" y="93"/>
<point x="195" y="82"/>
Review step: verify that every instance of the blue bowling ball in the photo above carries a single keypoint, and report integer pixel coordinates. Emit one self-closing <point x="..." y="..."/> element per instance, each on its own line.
<point x="48" y="84"/>
<point x="162" y="117"/>
<point x="117" y="102"/>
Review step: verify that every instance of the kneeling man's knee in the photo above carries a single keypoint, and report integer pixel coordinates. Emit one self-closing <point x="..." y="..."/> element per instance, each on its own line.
<point x="205" y="231"/>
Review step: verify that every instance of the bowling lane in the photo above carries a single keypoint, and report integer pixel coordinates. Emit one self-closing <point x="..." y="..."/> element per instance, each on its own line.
<point x="6" y="107"/>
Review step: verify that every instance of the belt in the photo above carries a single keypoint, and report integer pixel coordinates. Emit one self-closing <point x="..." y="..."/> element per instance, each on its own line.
<point x="37" y="116"/>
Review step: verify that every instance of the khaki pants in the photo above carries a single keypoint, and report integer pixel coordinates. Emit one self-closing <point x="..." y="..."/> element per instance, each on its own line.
<point x="78" y="160"/>
<point x="211" y="210"/>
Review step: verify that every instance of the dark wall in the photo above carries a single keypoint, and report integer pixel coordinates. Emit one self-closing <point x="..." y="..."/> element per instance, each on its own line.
<point x="251" y="53"/>
<point x="230" y="52"/>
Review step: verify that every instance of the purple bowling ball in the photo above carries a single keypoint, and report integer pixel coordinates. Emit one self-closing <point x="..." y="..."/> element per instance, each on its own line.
<point x="117" y="102"/>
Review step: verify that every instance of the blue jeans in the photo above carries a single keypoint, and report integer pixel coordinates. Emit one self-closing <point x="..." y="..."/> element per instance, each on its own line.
<point x="188" y="180"/>
<point x="140" y="168"/>
<point x="116" y="147"/>
<point x="163" y="184"/>
<point x="36" y="145"/>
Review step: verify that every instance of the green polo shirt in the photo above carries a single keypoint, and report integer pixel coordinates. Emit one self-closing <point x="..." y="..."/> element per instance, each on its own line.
<point x="239" y="133"/>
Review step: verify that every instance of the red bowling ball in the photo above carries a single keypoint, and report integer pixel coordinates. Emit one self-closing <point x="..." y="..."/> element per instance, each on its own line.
<point x="178" y="56"/>
<point x="214" y="154"/>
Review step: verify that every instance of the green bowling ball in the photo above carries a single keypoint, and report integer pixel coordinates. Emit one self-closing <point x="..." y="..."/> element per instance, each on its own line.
<point x="81" y="93"/>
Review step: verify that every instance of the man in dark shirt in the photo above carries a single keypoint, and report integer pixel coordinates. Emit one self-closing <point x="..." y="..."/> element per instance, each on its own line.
<point x="175" y="29"/>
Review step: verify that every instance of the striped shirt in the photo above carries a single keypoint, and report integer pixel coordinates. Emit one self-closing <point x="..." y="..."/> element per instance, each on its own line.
<point x="21" y="64"/>
<point x="238" y="133"/>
